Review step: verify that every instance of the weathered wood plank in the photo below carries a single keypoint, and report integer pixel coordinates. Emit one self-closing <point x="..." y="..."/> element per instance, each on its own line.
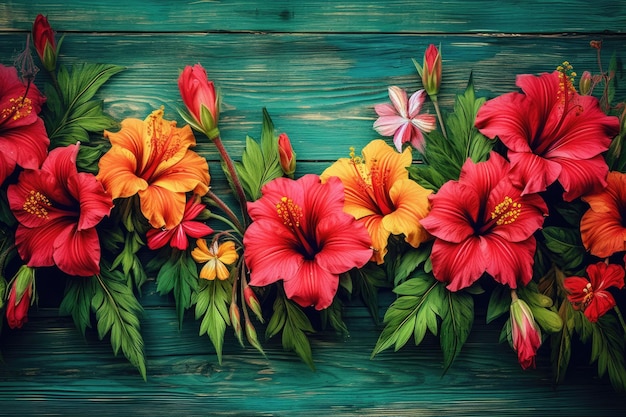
<point x="399" y="16"/>
<point x="320" y="89"/>
<point x="71" y="374"/>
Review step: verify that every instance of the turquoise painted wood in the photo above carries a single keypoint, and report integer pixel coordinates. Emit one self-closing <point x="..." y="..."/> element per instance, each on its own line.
<point x="319" y="67"/>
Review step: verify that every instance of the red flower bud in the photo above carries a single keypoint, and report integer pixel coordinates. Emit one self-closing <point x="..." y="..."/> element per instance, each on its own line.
<point x="45" y="44"/>
<point x="287" y="155"/>
<point x="253" y="302"/>
<point x="19" y="298"/>
<point x="431" y="71"/>
<point x="201" y="100"/>
<point x="525" y="333"/>
<point x="235" y="320"/>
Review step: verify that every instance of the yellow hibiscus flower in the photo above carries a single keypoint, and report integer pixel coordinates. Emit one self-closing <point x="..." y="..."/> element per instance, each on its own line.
<point x="151" y="158"/>
<point x="380" y="194"/>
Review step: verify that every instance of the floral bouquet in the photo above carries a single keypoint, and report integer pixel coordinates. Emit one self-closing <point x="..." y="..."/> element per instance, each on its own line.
<point x="526" y="208"/>
<point x="515" y="200"/>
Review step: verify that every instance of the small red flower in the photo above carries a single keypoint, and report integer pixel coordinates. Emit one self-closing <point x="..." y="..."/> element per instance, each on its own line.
<point x="592" y="297"/>
<point x="178" y="236"/>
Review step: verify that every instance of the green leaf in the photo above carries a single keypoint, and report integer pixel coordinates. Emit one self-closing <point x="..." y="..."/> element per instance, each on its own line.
<point x="460" y="126"/>
<point x="294" y="336"/>
<point x="499" y="303"/>
<point x="409" y="261"/>
<point x="333" y="316"/>
<point x="366" y="281"/>
<point x="77" y="301"/>
<point x="561" y="343"/>
<point x="118" y="312"/>
<point x="180" y="275"/>
<point x="411" y="313"/>
<point x="565" y="245"/>
<point x="259" y="163"/>
<point x="212" y="301"/>
<point x="457" y="319"/>
<point x="71" y="116"/>
<point x="608" y="351"/>
<point x="294" y="324"/>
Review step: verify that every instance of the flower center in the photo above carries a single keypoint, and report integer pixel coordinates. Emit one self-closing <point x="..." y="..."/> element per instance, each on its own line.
<point x="164" y="143"/>
<point x="506" y="212"/>
<point x="291" y="215"/>
<point x="588" y="291"/>
<point x="18" y="108"/>
<point x="372" y="183"/>
<point x="37" y="204"/>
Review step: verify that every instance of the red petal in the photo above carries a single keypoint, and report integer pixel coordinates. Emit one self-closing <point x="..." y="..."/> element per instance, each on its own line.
<point x="77" y="252"/>
<point x="458" y="264"/>
<point x="579" y="177"/>
<point x="312" y="286"/>
<point x="507" y="262"/>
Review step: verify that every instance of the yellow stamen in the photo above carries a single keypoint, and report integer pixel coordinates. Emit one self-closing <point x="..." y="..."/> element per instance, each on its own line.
<point x="19" y="107"/>
<point x="289" y="212"/>
<point x="36" y="204"/>
<point x="506" y="212"/>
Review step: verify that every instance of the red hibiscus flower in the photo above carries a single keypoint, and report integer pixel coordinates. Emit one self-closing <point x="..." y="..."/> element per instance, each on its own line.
<point x="58" y="208"/>
<point x="178" y="236"/>
<point x="23" y="137"/>
<point x="592" y="297"/>
<point x="301" y="235"/>
<point x="482" y="223"/>
<point x="552" y="133"/>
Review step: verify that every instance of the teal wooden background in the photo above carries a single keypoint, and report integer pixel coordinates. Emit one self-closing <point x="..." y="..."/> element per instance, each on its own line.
<point x="319" y="67"/>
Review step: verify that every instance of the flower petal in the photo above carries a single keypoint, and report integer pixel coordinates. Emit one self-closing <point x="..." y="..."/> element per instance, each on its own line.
<point x="312" y="286"/>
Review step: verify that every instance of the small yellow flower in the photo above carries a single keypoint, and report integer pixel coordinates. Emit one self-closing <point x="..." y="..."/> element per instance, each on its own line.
<point x="215" y="258"/>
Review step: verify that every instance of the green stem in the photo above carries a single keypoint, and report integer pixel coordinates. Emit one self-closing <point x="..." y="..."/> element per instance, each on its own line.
<point x="230" y="166"/>
<point x="236" y="224"/>
<point x="443" y="127"/>
<point x="225" y="220"/>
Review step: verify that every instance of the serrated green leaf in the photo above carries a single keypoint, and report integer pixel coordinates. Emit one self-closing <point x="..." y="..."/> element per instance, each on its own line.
<point x="405" y="310"/>
<point x="77" y="302"/>
<point x="73" y="115"/>
<point x="294" y="337"/>
<point x="212" y="301"/>
<point x="118" y="312"/>
<point x="409" y="261"/>
<point x="415" y="286"/>
<point x="259" y="163"/>
<point x="468" y="141"/>
<point x="180" y="276"/>
<point x="457" y="320"/>
<point x="278" y="319"/>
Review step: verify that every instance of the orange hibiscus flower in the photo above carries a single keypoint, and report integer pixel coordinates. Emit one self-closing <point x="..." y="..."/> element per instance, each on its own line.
<point x="151" y="158"/>
<point x="602" y="226"/>
<point x="380" y="195"/>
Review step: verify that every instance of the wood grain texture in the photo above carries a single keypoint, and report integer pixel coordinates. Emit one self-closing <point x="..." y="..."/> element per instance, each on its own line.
<point x="319" y="67"/>
<point x="396" y="16"/>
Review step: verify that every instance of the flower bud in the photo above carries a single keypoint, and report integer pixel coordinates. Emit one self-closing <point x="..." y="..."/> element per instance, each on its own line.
<point x="525" y="333"/>
<point x="235" y="320"/>
<point x="287" y="155"/>
<point x="584" y="85"/>
<point x="20" y="297"/>
<point x="431" y="71"/>
<point x="201" y="100"/>
<point x="45" y="44"/>
<point x="253" y="302"/>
